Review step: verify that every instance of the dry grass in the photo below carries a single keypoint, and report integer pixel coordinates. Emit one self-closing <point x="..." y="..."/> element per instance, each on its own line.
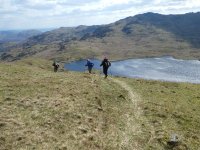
<point x="169" y="109"/>
<point x="41" y="109"/>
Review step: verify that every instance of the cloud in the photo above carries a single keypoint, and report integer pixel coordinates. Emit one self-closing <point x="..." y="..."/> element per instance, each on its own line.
<point x="55" y="13"/>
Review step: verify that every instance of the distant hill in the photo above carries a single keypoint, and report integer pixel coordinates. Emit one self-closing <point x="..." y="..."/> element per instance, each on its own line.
<point x="10" y="38"/>
<point x="185" y="26"/>
<point x="143" y="35"/>
<point x="16" y="36"/>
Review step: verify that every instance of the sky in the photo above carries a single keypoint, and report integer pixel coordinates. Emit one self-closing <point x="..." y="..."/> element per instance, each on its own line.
<point x="36" y="14"/>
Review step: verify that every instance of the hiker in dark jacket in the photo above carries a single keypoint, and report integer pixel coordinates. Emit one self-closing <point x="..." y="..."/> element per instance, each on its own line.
<point x="106" y="64"/>
<point x="56" y="66"/>
<point x="89" y="64"/>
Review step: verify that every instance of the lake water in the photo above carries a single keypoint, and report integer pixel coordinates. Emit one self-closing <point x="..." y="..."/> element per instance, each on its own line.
<point x="163" y="68"/>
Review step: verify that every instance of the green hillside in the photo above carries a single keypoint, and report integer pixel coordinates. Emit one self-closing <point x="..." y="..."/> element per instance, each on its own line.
<point x="41" y="109"/>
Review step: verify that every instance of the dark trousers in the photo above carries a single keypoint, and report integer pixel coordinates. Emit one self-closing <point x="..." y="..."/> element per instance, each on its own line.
<point x="90" y="69"/>
<point x="55" y="69"/>
<point x="105" y="71"/>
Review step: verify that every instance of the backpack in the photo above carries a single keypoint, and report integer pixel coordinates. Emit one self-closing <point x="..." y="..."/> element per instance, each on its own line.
<point x="107" y="64"/>
<point x="92" y="64"/>
<point x="55" y="64"/>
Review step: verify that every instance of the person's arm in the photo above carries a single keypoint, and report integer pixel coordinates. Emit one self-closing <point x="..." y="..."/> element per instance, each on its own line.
<point x="109" y="63"/>
<point x="101" y="64"/>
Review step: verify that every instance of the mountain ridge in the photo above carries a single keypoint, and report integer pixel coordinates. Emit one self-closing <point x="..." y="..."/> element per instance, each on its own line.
<point x="143" y="35"/>
<point x="17" y="35"/>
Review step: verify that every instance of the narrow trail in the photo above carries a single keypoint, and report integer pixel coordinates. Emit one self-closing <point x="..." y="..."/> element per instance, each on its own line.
<point x="132" y="124"/>
<point x="132" y="96"/>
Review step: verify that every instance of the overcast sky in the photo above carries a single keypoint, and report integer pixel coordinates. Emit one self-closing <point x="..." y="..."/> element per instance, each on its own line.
<point x="29" y="14"/>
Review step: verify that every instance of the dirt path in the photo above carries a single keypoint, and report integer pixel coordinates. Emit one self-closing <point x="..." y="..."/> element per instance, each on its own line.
<point x="132" y="121"/>
<point x="132" y="96"/>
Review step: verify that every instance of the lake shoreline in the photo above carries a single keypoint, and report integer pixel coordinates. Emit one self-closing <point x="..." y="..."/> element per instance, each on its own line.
<point x="165" y="68"/>
<point x="127" y="58"/>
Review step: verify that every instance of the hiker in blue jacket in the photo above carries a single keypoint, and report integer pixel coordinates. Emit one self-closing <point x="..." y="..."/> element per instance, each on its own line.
<point x="89" y="64"/>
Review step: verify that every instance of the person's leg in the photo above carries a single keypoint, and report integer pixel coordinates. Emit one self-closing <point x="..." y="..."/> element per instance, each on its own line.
<point x="106" y="72"/>
<point x="56" y="69"/>
<point x="90" y="69"/>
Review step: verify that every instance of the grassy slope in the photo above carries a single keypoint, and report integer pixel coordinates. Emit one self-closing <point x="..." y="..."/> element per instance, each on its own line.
<point x="170" y="108"/>
<point x="40" y="109"/>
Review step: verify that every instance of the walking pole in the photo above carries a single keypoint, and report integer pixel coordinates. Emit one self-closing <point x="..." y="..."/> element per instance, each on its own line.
<point x="85" y="68"/>
<point x="100" y="72"/>
<point x="110" y="73"/>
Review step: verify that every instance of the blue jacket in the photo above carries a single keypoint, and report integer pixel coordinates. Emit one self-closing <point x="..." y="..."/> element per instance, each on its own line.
<point x="89" y="64"/>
